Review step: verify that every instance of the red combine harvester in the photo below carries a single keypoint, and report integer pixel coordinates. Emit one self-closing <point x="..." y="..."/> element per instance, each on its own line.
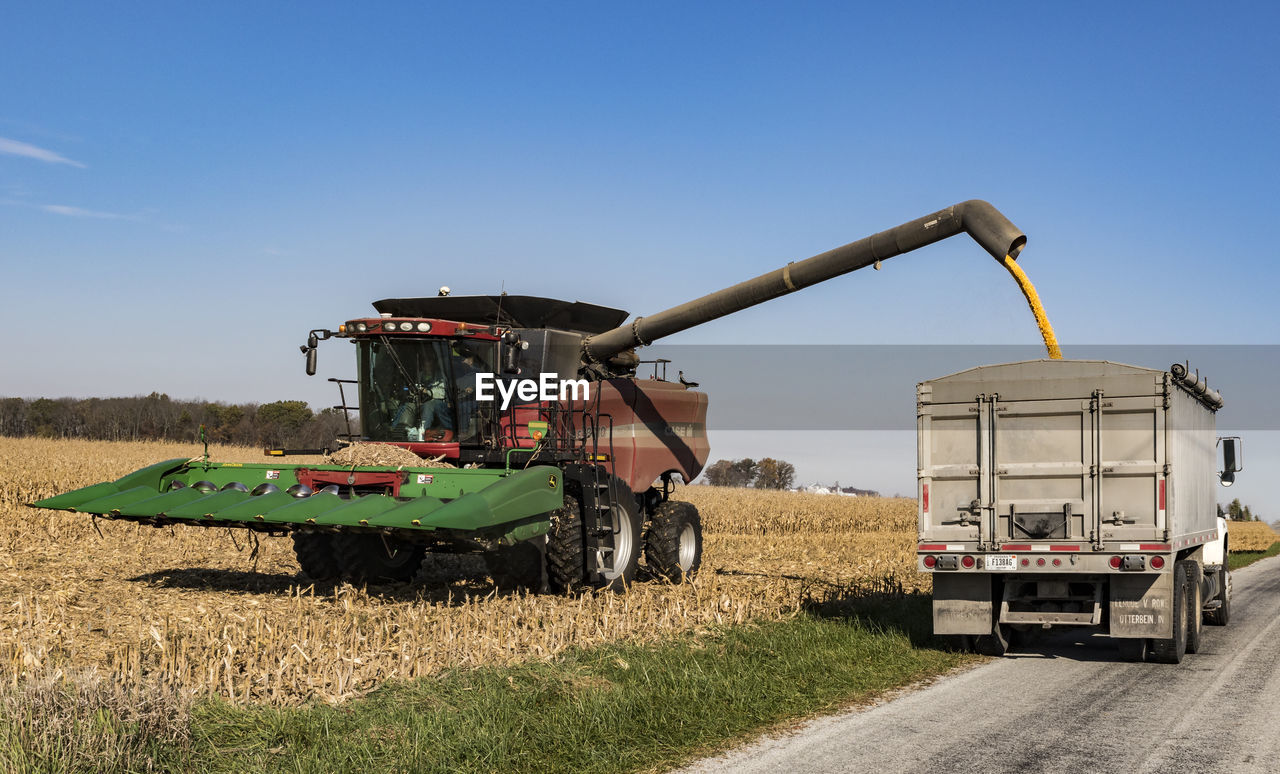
<point x="565" y="459"/>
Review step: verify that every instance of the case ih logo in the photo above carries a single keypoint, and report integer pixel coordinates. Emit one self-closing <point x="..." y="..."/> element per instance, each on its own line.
<point x="546" y="387"/>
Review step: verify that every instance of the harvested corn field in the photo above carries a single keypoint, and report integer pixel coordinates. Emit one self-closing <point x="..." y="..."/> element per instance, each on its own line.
<point x="205" y="611"/>
<point x="1251" y="535"/>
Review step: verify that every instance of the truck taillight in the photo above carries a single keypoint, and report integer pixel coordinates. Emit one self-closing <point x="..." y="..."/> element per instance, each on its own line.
<point x="968" y="562"/>
<point x="1115" y="562"/>
<point x="1157" y="562"/>
<point x="930" y="561"/>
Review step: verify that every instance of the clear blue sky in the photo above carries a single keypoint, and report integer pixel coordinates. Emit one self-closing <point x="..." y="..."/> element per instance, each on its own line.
<point x="185" y="190"/>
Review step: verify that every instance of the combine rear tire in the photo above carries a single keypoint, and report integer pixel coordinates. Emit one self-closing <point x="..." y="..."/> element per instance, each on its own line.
<point x="315" y="556"/>
<point x="1172" y="650"/>
<point x="673" y="545"/>
<point x="366" y="558"/>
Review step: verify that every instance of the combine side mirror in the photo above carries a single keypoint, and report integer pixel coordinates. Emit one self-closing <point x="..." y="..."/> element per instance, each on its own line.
<point x="1232" y="462"/>
<point x="309" y="349"/>
<point x="511" y="346"/>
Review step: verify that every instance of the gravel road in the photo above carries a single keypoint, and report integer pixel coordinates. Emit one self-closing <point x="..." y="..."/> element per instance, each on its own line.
<point x="1069" y="705"/>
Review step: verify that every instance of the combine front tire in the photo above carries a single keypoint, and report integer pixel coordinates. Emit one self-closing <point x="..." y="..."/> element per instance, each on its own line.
<point x="366" y="558"/>
<point x="614" y="561"/>
<point x="566" y="547"/>
<point x="673" y="545"/>
<point x="618" y="557"/>
<point x="315" y="556"/>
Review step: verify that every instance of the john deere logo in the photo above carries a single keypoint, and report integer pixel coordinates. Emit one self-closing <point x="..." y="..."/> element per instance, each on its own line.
<point x="551" y="480"/>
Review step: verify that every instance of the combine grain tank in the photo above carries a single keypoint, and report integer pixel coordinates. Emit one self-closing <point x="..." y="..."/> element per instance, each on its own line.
<point x="1073" y="493"/>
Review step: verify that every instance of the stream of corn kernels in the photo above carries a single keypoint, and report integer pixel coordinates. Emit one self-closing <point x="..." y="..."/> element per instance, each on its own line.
<point x="1037" y="309"/>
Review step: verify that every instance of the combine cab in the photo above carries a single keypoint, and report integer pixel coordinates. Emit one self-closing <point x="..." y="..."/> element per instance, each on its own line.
<point x="534" y="441"/>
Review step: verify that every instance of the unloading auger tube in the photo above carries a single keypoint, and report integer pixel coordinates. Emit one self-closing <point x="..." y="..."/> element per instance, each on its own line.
<point x="977" y="218"/>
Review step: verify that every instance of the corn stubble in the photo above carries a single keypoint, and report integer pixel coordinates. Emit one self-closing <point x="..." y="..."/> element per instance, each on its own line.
<point x="200" y="612"/>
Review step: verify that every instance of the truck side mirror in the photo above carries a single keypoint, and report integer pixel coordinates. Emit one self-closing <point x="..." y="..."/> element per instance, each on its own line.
<point x="311" y="360"/>
<point x="1232" y="462"/>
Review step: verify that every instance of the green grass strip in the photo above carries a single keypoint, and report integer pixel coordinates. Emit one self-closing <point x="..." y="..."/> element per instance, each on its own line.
<point x="1238" y="559"/>
<point x="607" y="709"/>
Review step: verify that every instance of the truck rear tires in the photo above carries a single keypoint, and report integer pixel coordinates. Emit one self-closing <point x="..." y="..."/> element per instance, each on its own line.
<point x="994" y="644"/>
<point x="1133" y="649"/>
<point x="1195" y="605"/>
<point x="365" y="558"/>
<point x="673" y="544"/>
<point x="1221" y="615"/>
<point x="315" y="556"/>
<point x="1172" y="650"/>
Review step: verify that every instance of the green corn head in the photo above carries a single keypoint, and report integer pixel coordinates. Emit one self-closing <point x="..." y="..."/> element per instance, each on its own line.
<point x="419" y="504"/>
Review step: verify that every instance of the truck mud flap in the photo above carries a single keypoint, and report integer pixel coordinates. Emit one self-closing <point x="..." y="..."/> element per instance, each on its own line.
<point x="1141" y="605"/>
<point x="962" y="604"/>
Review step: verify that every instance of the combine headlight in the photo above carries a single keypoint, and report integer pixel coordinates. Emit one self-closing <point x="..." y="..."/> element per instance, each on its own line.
<point x="361" y="327"/>
<point x="424" y="326"/>
<point x="388" y="326"/>
<point x="406" y="326"/>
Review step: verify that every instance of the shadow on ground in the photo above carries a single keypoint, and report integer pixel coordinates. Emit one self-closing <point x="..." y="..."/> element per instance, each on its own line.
<point x="442" y="578"/>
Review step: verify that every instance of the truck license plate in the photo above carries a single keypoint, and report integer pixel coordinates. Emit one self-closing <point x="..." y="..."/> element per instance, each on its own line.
<point x="1001" y="563"/>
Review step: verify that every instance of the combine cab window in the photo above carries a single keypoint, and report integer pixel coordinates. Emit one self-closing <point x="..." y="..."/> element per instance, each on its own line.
<point x="420" y="389"/>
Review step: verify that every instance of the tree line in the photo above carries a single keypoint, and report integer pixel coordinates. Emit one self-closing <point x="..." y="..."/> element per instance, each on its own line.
<point x="1237" y="512"/>
<point x="767" y="473"/>
<point x="157" y="417"/>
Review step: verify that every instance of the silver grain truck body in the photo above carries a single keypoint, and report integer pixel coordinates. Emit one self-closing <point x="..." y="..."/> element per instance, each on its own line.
<point x="1072" y="492"/>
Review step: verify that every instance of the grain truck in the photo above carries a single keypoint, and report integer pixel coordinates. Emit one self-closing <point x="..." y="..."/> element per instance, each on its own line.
<point x="1074" y="493"/>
